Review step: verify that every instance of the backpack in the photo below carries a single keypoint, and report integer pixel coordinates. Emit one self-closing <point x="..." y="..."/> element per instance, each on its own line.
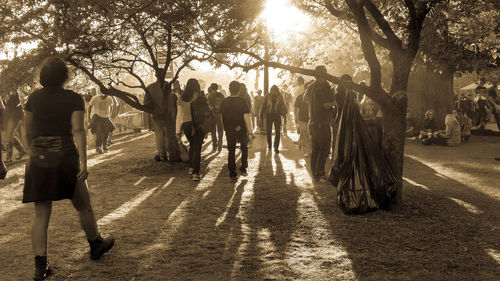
<point x="203" y="118"/>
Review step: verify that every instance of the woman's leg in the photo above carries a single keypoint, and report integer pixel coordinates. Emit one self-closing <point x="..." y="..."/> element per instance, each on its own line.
<point x="269" y="131"/>
<point x="98" y="135"/>
<point x="81" y="202"/>
<point x="187" y="128"/>
<point x="40" y="225"/>
<point x="277" y="129"/>
<point x="197" y="144"/>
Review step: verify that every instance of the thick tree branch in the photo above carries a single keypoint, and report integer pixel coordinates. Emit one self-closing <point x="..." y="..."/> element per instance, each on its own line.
<point x="383" y="24"/>
<point x="365" y="35"/>
<point x="375" y="93"/>
<point x="415" y="25"/>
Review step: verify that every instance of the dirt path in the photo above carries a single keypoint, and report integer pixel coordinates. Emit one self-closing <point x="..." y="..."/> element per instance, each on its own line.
<point x="274" y="224"/>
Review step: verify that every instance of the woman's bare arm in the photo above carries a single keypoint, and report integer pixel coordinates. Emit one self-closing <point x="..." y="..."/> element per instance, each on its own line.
<point x="80" y="137"/>
<point x="27" y="131"/>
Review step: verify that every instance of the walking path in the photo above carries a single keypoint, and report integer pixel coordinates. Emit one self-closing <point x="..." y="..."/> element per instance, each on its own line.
<point x="275" y="224"/>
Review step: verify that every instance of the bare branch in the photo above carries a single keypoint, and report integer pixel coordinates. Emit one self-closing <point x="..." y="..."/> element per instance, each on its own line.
<point x="130" y="99"/>
<point x="383" y="24"/>
<point x="337" y="13"/>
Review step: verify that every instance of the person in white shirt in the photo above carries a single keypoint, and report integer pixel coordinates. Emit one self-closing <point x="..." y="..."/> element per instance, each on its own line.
<point x="101" y="125"/>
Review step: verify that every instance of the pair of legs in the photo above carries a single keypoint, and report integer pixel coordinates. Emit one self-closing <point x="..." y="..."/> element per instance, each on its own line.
<point x="12" y="123"/>
<point x="276" y="120"/>
<point x="321" y="141"/>
<point x="304" y="137"/>
<point x="217" y="132"/>
<point x="43" y="210"/>
<point x="232" y="138"/>
<point x="195" y="139"/>
<point x="161" y="138"/>
<point x="101" y="133"/>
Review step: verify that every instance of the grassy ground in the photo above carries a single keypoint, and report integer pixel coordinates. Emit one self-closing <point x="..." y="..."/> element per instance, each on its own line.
<point x="275" y="224"/>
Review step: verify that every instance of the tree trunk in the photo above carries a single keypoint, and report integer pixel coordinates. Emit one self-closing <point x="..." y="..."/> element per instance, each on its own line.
<point x="393" y="142"/>
<point x="394" y="124"/>
<point x="429" y="89"/>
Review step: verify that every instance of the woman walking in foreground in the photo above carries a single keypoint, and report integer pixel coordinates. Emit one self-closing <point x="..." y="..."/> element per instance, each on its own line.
<point x="57" y="167"/>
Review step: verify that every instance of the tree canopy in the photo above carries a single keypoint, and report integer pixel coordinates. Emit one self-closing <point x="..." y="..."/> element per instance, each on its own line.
<point x="143" y="40"/>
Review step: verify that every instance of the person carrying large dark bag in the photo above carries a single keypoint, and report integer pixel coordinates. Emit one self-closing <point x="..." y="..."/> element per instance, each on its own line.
<point x="360" y="172"/>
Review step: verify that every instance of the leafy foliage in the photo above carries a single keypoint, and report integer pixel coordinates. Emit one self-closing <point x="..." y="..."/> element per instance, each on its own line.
<point x="128" y="43"/>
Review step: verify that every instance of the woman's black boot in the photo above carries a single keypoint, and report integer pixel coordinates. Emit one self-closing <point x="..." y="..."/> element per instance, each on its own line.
<point x="100" y="246"/>
<point x="42" y="268"/>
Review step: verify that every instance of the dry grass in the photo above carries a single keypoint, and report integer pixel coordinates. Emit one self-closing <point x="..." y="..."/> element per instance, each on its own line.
<point x="273" y="225"/>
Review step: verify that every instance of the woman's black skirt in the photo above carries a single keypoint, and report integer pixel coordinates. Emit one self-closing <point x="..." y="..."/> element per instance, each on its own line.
<point x="51" y="175"/>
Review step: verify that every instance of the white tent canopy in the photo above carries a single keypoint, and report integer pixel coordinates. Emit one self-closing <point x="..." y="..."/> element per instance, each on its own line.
<point x="473" y="86"/>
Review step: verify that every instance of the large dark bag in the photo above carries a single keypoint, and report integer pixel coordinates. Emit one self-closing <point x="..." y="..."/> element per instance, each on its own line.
<point x="203" y="118"/>
<point x="360" y="172"/>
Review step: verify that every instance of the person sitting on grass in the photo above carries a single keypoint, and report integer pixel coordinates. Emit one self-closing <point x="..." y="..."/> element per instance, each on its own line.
<point x="426" y="134"/>
<point x="452" y="135"/>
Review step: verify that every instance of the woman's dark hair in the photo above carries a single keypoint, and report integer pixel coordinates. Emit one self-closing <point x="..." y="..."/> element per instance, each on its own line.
<point x="275" y="90"/>
<point x="54" y="73"/>
<point x="192" y="86"/>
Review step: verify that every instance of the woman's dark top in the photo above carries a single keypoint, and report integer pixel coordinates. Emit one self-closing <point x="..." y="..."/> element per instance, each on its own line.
<point x="52" y="109"/>
<point x="51" y="173"/>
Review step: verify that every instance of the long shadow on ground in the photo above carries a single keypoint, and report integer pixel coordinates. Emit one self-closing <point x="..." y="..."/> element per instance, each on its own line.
<point x="203" y="239"/>
<point x="432" y="238"/>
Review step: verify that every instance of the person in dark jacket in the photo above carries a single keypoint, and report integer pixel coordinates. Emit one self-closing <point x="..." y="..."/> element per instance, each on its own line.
<point x="57" y="168"/>
<point x="238" y="126"/>
<point x="321" y="101"/>
<point x="274" y="108"/>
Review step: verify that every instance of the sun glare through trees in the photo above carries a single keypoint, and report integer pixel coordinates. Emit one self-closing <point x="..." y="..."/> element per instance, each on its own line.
<point x="284" y="19"/>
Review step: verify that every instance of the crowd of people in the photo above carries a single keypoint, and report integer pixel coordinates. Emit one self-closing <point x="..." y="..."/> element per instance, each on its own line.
<point x="330" y="121"/>
<point x="469" y="115"/>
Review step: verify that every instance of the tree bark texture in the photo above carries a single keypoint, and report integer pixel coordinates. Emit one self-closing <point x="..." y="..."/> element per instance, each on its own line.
<point x="394" y="125"/>
<point x="428" y="89"/>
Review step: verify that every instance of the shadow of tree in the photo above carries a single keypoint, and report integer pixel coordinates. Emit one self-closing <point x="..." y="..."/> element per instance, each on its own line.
<point x="431" y="238"/>
<point x="272" y="219"/>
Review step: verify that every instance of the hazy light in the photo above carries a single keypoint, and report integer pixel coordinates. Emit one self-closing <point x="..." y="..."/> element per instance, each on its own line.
<point x="283" y="19"/>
